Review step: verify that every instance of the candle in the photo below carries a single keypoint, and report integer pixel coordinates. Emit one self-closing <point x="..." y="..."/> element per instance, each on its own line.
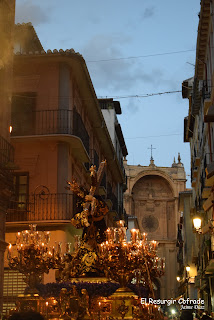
<point x="124" y="233"/>
<point x="162" y="264"/>
<point x="68" y="247"/>
<point x="144" y="236"/>
<point x="154" y="244"/>
<point x="43" y="246"/>
<point x="47" y="237"/>
<point x="120" y="223"/>
<point x="108" y="234"/>
<point x="26" y="235"/>
<point x="124" y="246"/>
<point x="99" y="310"/>
<point x="117" y="236"/>
<point x="121" y="234"/>
<point x="59" y="248"/>
<point x="133" y="235"/>
<point x="156" y="262"/>
<point x="9" y="251"/>
<point x="18" y="238"/>
<point x="46" y="303"/>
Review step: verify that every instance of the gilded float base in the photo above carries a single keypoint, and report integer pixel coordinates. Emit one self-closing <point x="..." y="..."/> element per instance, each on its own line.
<point x="118" y="305"/>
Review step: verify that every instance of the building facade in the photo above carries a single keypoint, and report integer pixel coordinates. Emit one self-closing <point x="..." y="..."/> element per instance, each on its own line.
<point x="199" y="132"/>
<point x="7" y="12"/>
<point x="110" y="110"/>
<point x="58" y="132"/>
<point x="152" y="197"/>
<point x="187" y="248"/>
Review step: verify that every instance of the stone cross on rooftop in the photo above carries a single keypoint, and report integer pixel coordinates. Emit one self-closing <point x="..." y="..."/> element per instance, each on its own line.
<point x="151" y="151"/>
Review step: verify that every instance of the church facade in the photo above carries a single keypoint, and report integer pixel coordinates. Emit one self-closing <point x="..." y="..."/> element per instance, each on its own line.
<point x="152" y="197"/>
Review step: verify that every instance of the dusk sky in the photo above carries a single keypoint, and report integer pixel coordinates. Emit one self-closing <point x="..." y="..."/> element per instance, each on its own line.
<point x="132" y="49"/>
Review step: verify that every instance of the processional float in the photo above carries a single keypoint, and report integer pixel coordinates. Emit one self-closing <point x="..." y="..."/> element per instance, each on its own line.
<point x="96" y="280"/>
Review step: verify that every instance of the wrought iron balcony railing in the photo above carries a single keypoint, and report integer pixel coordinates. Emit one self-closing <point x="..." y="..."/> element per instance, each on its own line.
<point x="50" y="122"/>
<point x="48" y="207"/>
<point x="6" y="152"/>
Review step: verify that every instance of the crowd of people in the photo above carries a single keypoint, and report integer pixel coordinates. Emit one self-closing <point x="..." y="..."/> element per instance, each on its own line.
<point x="188" y="315"/>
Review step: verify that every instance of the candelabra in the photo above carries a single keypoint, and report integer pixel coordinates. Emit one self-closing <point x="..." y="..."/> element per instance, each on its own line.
<point x="32" y="256"/>
<point x="124" y="261"/>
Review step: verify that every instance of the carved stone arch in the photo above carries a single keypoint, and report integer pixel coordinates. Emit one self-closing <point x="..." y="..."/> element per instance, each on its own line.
<point x="153" y="199"/>
<point x="154" y="173"/>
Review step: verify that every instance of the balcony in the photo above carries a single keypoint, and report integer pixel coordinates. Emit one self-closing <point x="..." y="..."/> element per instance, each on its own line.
<point x="6" y="152"/>
<point x="94" y="160"/>
<point x="55" y="207"/>
<point x="51" y="123"/>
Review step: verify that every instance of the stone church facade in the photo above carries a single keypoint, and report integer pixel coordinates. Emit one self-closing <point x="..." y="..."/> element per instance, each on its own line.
<point x="152" y="196"/>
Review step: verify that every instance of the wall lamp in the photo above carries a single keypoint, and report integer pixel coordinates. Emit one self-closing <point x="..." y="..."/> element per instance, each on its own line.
<point x="188" y="268"/>
<point x="209" y="227"/>
<point x="197" y="224"/>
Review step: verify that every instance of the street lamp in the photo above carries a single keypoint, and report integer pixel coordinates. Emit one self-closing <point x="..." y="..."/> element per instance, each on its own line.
<point x="173" y="312"/>
<point x="197" y="224"/>
<point x="188" y="268"/>
<point x="178" y="278"/>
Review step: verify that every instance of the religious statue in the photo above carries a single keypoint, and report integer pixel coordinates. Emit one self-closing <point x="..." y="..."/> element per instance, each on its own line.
<point x="91" y="219"/>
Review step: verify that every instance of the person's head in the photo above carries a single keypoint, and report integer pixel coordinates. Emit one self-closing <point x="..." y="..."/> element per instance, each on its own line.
<point x="26" y="315"/>
<point x="186" y="315"/>
<point x="205" y="316"/>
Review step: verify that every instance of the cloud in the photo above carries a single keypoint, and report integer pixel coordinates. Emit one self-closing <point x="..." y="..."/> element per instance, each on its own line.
<point x="116" y="75"/>
<point x="29" y="12"/>
<point x="148" y="12"/>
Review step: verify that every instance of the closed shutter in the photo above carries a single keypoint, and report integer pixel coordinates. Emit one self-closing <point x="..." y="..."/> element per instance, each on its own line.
<point x="13" y="286"/>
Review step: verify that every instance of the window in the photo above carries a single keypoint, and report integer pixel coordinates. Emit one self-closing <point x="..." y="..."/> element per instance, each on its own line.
<point x="80" y="130"/>
<point x="21" y="188"/>
<point x="22" y="113"/>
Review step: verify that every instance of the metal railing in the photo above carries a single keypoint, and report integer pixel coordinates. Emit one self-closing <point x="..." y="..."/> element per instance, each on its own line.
<point x="54" y="206"/>
<point x="6" y="151"/>
<point x="94" y="160"/>
<point x="49" y="122"/>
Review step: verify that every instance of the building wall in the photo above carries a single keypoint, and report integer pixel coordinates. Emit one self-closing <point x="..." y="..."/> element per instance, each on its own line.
<point x="187" y="248"/>
<point x="7" y="13"/>
<point x="109" y="116"/>
<point x="49" y="149"/>
<point x="152" y="197"/>
<point x="199" y="132"/>
<point x="40" y="78"/>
